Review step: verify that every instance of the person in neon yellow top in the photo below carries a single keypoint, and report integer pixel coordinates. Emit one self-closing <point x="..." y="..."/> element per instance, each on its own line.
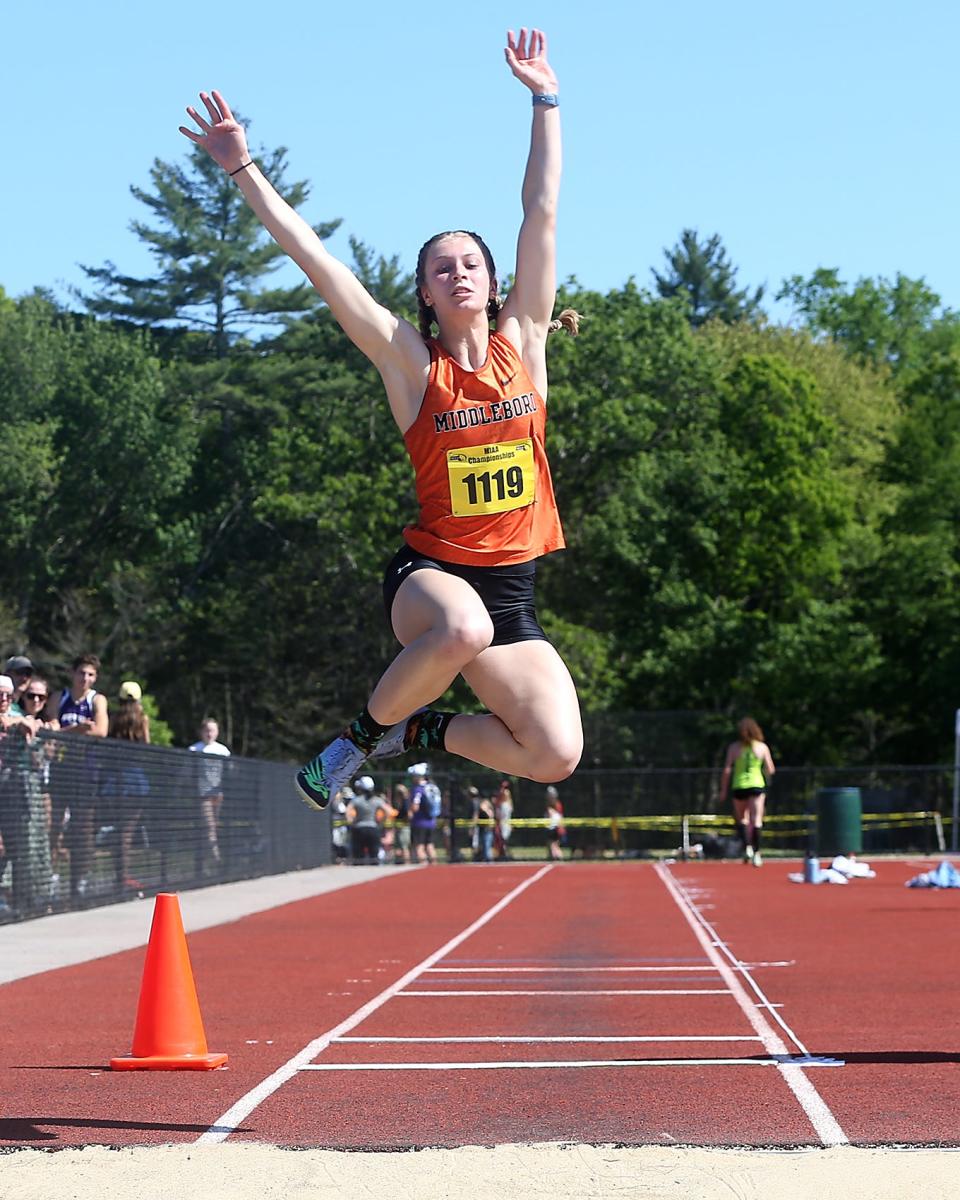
<point x="747" y="771"/>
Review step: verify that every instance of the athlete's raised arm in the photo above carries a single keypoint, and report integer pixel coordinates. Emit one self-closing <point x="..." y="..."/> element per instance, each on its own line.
<point x="391" y="343"/>
<point x="531" y="300"/>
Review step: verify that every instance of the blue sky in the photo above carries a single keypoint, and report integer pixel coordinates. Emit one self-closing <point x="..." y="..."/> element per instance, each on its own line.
<point x="806" y="136"/>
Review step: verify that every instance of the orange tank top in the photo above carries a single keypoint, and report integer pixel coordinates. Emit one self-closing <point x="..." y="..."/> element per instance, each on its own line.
<point x="477" y="448"/>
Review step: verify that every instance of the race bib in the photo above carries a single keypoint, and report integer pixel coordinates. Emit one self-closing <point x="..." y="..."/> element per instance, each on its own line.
<point x="491" y="479"/>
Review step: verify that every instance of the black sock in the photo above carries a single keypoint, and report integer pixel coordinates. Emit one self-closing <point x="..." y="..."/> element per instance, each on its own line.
<point x="745" y="834"/>
<point x="427" y="730"/>
<point x="757" y="831"/>
<point x="365" y="731"/>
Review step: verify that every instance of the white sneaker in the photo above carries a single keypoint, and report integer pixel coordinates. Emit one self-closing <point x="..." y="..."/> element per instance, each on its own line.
<point x="748" y="854"/>
<point x="320" y="780"/>
<point x="757" y="859"/>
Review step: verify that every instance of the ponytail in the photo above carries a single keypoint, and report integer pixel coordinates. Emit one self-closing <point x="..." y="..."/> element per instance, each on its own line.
<point x="568" y="320"/>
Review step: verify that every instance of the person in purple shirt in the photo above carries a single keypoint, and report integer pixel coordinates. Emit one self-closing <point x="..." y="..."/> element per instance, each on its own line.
<point x="425" y="805"/>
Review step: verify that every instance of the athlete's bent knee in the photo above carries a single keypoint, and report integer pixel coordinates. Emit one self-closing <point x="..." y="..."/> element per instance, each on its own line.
<point x="556" y="761"/>
<point x="466" y="637"/>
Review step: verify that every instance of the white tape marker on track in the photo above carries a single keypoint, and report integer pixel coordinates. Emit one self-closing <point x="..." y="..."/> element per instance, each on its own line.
<point x="810" y="1100"/>
<point x="231" y="1119"/>
<point x="451" y="992"/>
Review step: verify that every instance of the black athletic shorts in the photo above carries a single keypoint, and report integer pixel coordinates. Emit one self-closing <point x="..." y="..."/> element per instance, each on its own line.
<point x="748" y="793"/>
<point x="506" y="592"/>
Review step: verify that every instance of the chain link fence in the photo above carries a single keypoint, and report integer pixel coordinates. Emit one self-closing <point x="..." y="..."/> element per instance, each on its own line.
<point x="86" y="821"/>
<point x="89" y="821"/>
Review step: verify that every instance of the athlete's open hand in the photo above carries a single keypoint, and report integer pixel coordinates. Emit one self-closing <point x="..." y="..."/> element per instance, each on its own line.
<point x="222" y="136"/>
<point x="527" y="58"/>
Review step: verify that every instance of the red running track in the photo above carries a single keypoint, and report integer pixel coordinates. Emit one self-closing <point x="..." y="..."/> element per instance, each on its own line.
<point x="650" y="982"/>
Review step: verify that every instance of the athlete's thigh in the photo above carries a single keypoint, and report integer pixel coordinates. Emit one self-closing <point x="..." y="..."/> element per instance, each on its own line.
<point x="527" y="685"/>
<point x="431" y="599"/>
<point x="757" y="805"/>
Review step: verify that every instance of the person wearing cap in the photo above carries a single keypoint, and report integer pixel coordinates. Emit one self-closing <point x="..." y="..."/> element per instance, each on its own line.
<point x="366" y="813"/>
<point x="124" y="786"/>
<point x="19" y="668"/>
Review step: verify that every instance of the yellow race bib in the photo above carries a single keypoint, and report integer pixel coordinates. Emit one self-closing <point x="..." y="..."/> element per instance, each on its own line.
<point x="491" y="479"/>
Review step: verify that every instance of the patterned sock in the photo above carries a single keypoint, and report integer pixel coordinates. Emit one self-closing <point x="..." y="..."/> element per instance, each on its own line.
<point x="757" y="831"/>
<point x="427" y="730"/>
<point x="365" y="731"/>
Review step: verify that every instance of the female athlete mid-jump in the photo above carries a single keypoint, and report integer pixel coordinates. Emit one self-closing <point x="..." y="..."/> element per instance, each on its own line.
<point x="470" y="402"/>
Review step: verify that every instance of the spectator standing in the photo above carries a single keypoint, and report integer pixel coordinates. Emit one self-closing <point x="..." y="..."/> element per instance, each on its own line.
<point x="366" y="813"/>
<point x="401" y="823"/>
<point x="484" y="818"/>
<point x="81" y="714"/>
<point x="33" y="701"/>
<point x="124" y="786"/>
<point x="503" y="806"/>
<point x="211" y="784"/>
<point x="340" y="836"/>
<point x="23" y="833"/>
<point x="555" y="828"/>
<point x="748" y="768"/>
<point x="425" y="806"/>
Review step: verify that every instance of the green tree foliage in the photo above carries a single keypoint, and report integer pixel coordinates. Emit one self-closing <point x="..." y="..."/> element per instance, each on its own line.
<point x="879" y="322"/>
<point x="917" y="578"/>
<point x="760" y="518"/>
<point x="97" y="458"/>
<point x="212" y="255"/>
<point x="701" y="274"/>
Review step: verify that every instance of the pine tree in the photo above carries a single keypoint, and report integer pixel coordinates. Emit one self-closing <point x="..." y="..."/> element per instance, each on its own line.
<point x="705" y="277"/>
<point x="212" y="255"/>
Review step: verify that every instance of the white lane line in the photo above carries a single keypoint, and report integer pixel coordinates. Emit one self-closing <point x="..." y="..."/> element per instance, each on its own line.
<point x="762" y="1000"/>
<point x="579" y="992"/>
<point x="606" y="1038"/>
<point x="706" y="969"/>
<point x="821" y="1118"/>
<point x="548" y="1064"/>
<point x="221" y="1129"/>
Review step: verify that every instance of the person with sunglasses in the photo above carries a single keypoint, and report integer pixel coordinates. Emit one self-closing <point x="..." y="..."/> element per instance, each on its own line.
<point x="23" y="814"/>
<point x="33" y="702"/>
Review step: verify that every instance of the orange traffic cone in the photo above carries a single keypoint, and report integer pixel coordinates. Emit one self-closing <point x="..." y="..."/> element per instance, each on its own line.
<point x="169" y="1032"/>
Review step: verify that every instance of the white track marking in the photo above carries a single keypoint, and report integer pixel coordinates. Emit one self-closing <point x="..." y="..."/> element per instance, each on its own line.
<point x="732" y="1037"/>
<point x="810" y="1100"/>
<point x="578" y="1063"/>
<point x="579" y="992"/>
<point x="706" y="969"/>
<point x="762" y="1000"/>
<point x="225" y="1125"/>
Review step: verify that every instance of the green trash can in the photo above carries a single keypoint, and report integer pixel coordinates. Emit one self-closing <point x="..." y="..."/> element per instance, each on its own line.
<point x="839" y="824"/>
